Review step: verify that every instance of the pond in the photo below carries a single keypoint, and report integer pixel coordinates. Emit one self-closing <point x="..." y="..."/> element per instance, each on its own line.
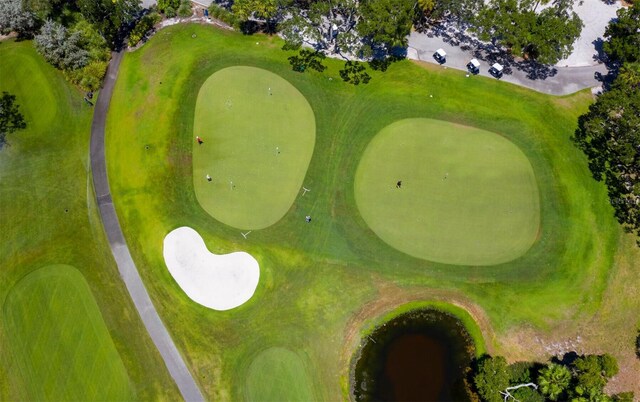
<point x="418" y="356"/>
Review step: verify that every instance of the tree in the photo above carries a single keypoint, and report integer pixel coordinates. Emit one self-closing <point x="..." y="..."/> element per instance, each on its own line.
<point x="553" y="380"/>
<point x="13" y="17"/>
<point x="623" y="36"/>
<point x="185" y="10"/>
<point x="609" y="365"/>
<point x="11" y="119"/>
<point x="547" y="36"/>
<point x="609" y="134"/>
<point x="163" y="5"/>
<point x="387" y="22"/>
<point x="60" y="48"/>
<point x="258" y="9"/>
<point x="354" y="73"/>
<point x="112" y="18"/>
<point x="492" y="378"/>
<point x="592" y="375"/>
<point x="327" y="25"/>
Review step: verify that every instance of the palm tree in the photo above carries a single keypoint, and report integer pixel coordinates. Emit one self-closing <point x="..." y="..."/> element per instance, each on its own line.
<point x="553" y="380"/>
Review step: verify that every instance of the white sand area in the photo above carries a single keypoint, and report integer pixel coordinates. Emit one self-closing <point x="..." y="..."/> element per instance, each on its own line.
<point x="220" y="282"/>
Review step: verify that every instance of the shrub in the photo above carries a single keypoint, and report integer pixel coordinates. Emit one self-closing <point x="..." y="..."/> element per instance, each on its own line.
<point x="170" y="12"/>
<point x="185" y="10"/>
<point x="144" y="25"/>
<point x="223" y="15"/>
<point x="90" y="76"/>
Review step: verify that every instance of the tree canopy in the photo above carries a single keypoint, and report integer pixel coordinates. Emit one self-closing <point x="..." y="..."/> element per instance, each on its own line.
<point x="14" y="17"/>
<point x="387" y="22"/>
<point x="11" y="119"/>
<point x="492" y="378"/>
<point x="60" y="48"/>
<point x="546" y="36"/>
<point x="554" y="380"/>
<point x="623" y="36"/>
<point x="609" y="134"/>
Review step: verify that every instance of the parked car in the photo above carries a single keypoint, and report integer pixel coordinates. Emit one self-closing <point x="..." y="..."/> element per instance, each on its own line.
<point x="440" y="55"/>
<point x="496" y="70"/>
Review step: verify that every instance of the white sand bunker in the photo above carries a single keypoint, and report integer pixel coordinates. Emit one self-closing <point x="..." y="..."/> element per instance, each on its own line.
<point x="220" y="282"/>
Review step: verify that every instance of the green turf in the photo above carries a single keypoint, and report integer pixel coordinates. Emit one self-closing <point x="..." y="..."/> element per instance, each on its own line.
<point x="60" y="341"/>
<point x="278" y="375"/>
<point x="258" y="132"/>
<point x="48" y="216"/>
<point x="467" y="197"/>
<point x="316" y="278"/>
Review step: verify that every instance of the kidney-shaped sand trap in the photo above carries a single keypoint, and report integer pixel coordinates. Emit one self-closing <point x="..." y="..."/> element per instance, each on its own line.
<point x="220" y="282"/>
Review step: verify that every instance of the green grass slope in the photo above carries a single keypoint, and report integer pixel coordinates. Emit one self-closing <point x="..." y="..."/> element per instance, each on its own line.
<point x="317" y="279"/>
<point x="467" y="197"/>
<point x="61" y="344"/>
<point x="258" y="134"/>
<point x="48" y="217"/>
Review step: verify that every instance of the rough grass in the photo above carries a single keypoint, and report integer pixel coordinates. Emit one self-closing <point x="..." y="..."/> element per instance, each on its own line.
<point x="60" y="341"/>
<point x="467" y="196"/>
<point x="278" y="375"/>
<point x="314" y="277"/>
<point x="48" y="216"/>
<point x="258" y="134"/>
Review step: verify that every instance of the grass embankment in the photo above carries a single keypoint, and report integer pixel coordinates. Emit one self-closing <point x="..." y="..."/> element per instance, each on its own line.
<point x="315" y="277"/>
<point x="48" y="217"/>
<point x="62" y="346"/>
<point x="258" y="134"/>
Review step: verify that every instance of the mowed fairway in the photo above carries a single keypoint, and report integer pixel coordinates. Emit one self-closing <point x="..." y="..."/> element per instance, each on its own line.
<point x="467" y="196"/>
<point x="258" y="134"/>
<point x="60" y="341"/>
<point x="278" y="375"/>
<point x="49" y="215"/>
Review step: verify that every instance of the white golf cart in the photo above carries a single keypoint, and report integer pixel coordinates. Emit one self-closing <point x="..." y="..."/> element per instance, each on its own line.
<point x="473" y="66"/>
<point x="496" y="70"/>
<point x="440" y="55"/>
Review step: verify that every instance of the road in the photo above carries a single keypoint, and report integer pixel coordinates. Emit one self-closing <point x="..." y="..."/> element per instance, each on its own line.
<point x="128" y="271"/>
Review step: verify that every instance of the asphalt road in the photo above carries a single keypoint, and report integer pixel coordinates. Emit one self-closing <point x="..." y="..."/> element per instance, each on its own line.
<point x="562" y="81"/>
<point x="128" y="271"/>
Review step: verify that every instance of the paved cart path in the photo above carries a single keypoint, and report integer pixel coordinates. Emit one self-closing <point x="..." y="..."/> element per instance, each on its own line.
<point x="128" y="271"/>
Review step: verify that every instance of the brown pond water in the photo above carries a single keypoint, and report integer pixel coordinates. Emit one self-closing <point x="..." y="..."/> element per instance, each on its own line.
<point x="418" y="356"/>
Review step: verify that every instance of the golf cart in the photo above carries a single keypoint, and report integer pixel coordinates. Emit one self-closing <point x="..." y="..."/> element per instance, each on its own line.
<point x="496" y="70"/>
<point x="440" y="55"/>
<point x="473" y="66"/>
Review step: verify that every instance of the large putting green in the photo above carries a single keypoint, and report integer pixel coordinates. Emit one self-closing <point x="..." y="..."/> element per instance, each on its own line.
<point x="467" y="196"/>
<point x="278" y="374"/>
<point x="61" y="344"/>
<point x="258" y="134"/>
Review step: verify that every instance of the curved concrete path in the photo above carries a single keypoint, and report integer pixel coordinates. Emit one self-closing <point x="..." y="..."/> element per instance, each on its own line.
<point x="128" y="271"/>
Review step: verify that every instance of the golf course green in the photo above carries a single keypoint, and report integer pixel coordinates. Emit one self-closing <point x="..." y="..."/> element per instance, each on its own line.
<point x="258" y="133"/>
<point x="320" y="281"/>
<point x="278" y="374"/>
<point x="448" y="193"/>
<point x="60" y="341"/>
